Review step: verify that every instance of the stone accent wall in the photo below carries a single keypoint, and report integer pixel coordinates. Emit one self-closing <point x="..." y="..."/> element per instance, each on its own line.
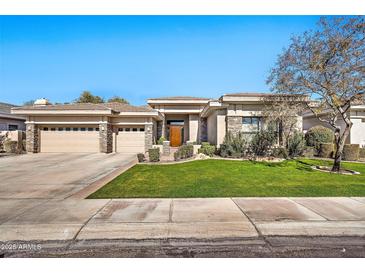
<point x="148" y="130"/>
<point x="106" y="138"/>
<point x="32" y="138"/>
<point x="166" y="148"/>
<point x="161" y="129"/>
<point x="203" y="130"/>
<point x="234" y="124"/>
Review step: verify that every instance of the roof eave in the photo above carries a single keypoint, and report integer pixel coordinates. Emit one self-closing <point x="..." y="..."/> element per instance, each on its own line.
<point x="61" y="112"/>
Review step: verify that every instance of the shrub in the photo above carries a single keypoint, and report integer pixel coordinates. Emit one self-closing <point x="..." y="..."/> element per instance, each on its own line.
<point x="262" y="141"/>
<point x="280" y="152"/>
<point x="308" y="152"/>
<point x="184" y="152"/>
<point x="296" y="144"/>
<point x="154" y="154"/>
<point x="140" y="157"/>
<point x="233" y="145"/>
<point x="207" y="149"/>
<point x="161" y="140"/>
<point x="317" y="135"/>
<point x="10" y="146"/>
<point x="362" y="152"/>
<point x="326" y="150"/>
<point x="351" y="152"/>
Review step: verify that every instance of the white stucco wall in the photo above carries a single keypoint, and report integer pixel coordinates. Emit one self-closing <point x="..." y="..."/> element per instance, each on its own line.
<point x="193" y="127"/>
<point x="212" y="128"/>
<point x="357" y="135"/>
<point x="216" y="123"/>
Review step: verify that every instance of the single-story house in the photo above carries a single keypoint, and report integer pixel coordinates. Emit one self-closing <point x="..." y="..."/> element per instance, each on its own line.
<point x="117" y="127"/>
<point x="357" y="117"/>
<point x="9" y="121"/>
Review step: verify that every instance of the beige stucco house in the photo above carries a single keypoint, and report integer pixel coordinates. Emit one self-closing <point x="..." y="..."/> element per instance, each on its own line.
<point x="9" y="121"/>
<point x="357" y="117"/>
<point x="117" y="127"/>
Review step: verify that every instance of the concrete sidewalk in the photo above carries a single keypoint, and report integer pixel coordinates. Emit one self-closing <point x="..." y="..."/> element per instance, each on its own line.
<point x="208" y="218"/>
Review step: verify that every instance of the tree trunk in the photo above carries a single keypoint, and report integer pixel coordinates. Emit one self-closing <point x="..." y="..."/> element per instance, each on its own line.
<point x="340" y="143"/>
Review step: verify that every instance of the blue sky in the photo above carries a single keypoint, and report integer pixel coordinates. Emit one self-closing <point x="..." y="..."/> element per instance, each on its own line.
<point x="138" y="57"/>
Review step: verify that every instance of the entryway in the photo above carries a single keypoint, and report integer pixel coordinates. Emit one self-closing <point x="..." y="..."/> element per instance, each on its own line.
<point x="175" y="132"/>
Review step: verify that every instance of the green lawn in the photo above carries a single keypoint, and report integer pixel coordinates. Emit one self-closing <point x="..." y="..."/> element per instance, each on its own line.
<point x="221" y="178"/>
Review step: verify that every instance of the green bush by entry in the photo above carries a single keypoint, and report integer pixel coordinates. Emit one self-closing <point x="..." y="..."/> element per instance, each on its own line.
<point x="184" y="152"/>
<point x="154" y="154"/>
<point x="161" y="140"/>
<point x="351" y="152"/>
<point x="234" y="145"/>
<point x="317" y="135"/>
<point x="326" y="150"/>
<point x="207" y="149"/>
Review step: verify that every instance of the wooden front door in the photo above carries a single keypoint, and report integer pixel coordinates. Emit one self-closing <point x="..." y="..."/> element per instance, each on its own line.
<point x="175" y="136"/>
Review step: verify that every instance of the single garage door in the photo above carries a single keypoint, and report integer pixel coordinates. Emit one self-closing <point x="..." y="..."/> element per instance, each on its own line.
<point x="130" y="140"/>
<point x="69" y="139"/>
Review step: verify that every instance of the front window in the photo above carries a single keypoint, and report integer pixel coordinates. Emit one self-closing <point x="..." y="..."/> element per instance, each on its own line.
<point x="251" y="124"/>
<point x="13" y="127"/>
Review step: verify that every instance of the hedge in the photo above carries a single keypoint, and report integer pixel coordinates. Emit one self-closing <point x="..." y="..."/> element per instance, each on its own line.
<point x="351" y="152"/>
<point x="326" y="150"/>
<point x="318" y="135"/>
<point x="184" y="152"/>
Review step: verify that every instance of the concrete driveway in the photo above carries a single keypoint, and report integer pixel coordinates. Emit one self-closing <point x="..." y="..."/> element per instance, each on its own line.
<point x="55" y="175"/>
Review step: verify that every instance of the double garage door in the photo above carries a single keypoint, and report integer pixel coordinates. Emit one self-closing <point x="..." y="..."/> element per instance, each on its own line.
<point x="69" y="139"/>
<point x="84" y="139"/>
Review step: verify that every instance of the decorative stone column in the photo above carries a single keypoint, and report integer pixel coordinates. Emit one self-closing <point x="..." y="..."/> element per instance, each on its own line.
<point x="203" y="129"/>
<point x="32" y="138"/>
<point x="166" y="147"/>
<point x="148" y="131"/>
<point x="234" y="124"/>
<point x="105" y="138"/>
<point x="161" y="128"/>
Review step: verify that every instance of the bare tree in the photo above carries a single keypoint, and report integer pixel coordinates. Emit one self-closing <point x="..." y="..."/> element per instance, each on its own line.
<point x="327" y="64"/>
<point x="284" y="110"/>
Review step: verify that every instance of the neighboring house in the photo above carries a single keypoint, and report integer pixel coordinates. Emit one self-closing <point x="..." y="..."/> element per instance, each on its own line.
<point x="9" y="121"/>
<point x="116" y="127"/>
<point x="357" y="117"/>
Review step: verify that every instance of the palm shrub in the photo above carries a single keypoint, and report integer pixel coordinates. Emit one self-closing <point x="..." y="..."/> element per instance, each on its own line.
<point x="296" y="144"/>
<point x="263" y="141"/>
<point x="317" y="135"/>
<point x="207" y="149"/>
<point x="234" y="145"/>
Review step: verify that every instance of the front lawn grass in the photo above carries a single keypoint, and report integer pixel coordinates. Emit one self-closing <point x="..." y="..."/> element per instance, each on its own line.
<point x="223" y="178"/>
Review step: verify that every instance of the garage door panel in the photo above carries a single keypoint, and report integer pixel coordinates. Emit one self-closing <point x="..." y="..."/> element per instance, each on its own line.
<point x="69" y="141"/>
<point x="130" y="142"/>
